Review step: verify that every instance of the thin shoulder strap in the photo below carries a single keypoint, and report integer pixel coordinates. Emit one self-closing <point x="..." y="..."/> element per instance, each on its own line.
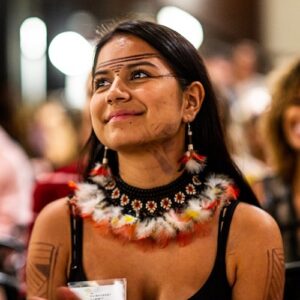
<point x="217" y="285"/>
<point x="76" y="224"/>
<point x="224" y="226"/>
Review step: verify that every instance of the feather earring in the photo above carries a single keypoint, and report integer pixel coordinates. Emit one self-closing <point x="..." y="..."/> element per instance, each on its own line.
<point x="101" y="173"/>
<point x="191" y="160"/>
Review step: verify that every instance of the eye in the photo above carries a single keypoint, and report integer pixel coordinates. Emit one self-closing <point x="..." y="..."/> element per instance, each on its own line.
<point x="101" y="83"/>
<point x="139" y="74"/>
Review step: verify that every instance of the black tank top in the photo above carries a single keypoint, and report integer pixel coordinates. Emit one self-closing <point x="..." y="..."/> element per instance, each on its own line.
<point x="215" y="288"/>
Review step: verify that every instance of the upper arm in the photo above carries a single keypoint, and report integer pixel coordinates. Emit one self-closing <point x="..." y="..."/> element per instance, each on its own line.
<point x="48" y="251"/>
<point x="259" y="259"/>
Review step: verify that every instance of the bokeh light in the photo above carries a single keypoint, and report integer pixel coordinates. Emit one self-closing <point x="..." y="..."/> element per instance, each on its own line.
<point x="182" y="22"/>
<point x="71" y="53"/>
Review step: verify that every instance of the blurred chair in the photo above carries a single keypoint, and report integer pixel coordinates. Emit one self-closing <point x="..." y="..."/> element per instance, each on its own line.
<point x="292" y="281"/>
<point x="10" y="248"/>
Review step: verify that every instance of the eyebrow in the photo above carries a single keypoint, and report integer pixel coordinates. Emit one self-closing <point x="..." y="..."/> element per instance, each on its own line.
<point x="128" y="58"/>
<point x="132" y="65"/>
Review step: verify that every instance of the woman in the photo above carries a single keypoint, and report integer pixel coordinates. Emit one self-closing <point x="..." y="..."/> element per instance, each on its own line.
<point x="157" y="213"/>
<point x="280" y="193"/>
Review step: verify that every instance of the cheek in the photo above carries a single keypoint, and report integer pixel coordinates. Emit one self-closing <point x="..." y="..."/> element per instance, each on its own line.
<point x="96" y="107"/>
<point x="167" y="114"/>
<point x="94" y="103"/>
<point x="96" y="114"/>
<point x="166" y="122"/>
<point x="169" y="103"/>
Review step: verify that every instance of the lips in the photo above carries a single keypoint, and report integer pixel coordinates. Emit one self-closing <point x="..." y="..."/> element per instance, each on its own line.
<point x="122" y="114"/>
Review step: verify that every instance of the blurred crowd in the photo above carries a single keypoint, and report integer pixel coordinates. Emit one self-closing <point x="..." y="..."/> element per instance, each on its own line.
<point x="40" y="147"/>
<point x="260" y="107"/>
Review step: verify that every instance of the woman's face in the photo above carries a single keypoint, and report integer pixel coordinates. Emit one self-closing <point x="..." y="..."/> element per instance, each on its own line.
<point x="291" y="126"/>
<point x="137" y="100"/>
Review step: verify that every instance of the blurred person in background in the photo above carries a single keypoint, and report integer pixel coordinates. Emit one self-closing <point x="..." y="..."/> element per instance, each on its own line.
<point x="280" y="193"/>
<point x="54" y="139"/>
<point x="248" y="147"/>
<point x="250" y="100"/>
<point x="247" y="68"/>
<point x="16" y="186"/>
<point x="53" y="135"/>
<point x="227" y="69"/>
<point x="218" y="61"/>
<point x="54" y="183"/>
<point x="16" y="173"/>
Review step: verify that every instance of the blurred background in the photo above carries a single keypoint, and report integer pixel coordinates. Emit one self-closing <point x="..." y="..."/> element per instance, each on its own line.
<point x="271" y="23"/>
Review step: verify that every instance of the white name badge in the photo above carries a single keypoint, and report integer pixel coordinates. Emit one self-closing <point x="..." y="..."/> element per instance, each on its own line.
<point x="112" y="289"/>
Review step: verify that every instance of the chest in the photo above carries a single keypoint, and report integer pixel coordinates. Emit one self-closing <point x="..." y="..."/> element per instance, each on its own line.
<point x="173" y="272"/>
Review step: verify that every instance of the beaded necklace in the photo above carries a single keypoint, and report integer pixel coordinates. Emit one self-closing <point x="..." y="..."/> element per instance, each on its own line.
<point x="177" y="212"/>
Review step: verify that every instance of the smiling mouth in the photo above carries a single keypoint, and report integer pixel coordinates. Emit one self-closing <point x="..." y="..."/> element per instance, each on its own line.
<point x="119" y="116"/>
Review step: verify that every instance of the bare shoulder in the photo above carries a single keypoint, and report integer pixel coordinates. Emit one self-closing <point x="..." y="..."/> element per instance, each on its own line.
<point x="53" y="220"/>
<point x="256" y="230"/>
<point x="59" y="206"/>
<point x="254" y="221"/>
<point x="256" y="246"/>
<point x="55" y="209"/>
<point x="49" y="250"/>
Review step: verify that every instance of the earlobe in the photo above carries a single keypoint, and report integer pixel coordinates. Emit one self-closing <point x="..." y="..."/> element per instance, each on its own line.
<point x="193" y="99"/>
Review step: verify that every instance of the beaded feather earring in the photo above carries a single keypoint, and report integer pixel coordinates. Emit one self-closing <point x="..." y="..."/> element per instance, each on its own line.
<point x="101" y="173"/>
<point x="191" y="160"/>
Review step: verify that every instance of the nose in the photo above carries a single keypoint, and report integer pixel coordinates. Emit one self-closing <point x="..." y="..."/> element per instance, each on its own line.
<point x="118" y="91"/>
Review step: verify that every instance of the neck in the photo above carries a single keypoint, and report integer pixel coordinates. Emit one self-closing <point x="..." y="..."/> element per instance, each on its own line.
<point x="151" y="167"/>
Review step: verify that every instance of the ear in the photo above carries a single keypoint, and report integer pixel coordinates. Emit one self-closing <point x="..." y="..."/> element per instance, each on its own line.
<point x="193" y="97"/>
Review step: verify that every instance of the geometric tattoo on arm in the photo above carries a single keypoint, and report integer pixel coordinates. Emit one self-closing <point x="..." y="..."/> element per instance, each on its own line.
<point x="275" y="275"/>
<point x="40" y="269"/>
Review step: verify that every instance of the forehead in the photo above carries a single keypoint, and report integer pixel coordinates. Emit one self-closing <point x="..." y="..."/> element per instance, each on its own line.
<point x="125" y="48"/>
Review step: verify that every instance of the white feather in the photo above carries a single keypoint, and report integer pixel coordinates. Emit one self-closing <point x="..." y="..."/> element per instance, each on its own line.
<point x="101" y="179"/>
<point x="107" y="213"/>
<point x="214" y="180"/>
<point x="86" y="191"/>
<point x="204" y="215"/>
<point x="145" y="229"/>
<point x="88" y="207"/>
<point x="175" y="222"/>
<point x="165" y="227"/>
<point x="193" y="167"/>
<point x="99" y="215"/>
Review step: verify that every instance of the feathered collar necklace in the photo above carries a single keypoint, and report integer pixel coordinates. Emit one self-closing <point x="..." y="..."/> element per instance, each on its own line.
<point x="177" y="212"/>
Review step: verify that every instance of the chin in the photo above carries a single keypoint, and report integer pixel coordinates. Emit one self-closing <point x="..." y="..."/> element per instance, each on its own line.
<point x="122" y="144"/>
